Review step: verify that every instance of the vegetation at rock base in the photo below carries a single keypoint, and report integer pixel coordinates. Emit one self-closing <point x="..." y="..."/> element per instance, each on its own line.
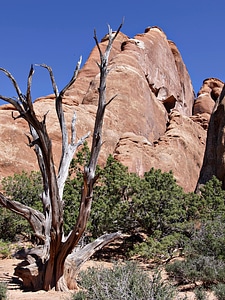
<point x="154" y="205"/>
<point x="204" y="252"/>
<point x="154" y="208"/>
<point x="3" y="291"/>
<point x="126" y="281"/>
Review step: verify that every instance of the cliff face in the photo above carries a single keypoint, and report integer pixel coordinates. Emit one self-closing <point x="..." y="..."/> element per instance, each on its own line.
<point x="153" y="122"/>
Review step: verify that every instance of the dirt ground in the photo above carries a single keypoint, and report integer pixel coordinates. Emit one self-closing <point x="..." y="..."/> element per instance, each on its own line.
<point x="15" y="293"/>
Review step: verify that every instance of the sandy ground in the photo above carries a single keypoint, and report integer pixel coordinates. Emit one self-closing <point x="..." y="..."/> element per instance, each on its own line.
<point x="15" y="293"/>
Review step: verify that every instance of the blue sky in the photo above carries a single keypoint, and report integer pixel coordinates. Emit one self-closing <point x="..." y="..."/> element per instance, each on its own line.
<point x="58" y="32"/>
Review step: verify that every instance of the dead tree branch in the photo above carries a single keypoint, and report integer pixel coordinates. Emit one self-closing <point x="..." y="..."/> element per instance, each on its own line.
<point x="34" y="217"/>
<point x="89" y="171"/>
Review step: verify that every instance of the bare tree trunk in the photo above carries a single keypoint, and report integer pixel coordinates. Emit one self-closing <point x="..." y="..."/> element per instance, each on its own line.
<point x="53" y="263"/>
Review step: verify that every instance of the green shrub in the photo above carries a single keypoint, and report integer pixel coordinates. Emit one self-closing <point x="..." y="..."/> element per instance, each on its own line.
<point x="205" y="259"/>
<point x="153" y="205"/>
<point x="212" y="200"/>
<point x="162" y="248"/>
<point x="15" y="224"/>
<point x="219" y="291"/>
<point x="209" y="239"/>
<point x="24" y="188"/>
<point x="3" y="291"/>
<point x="200" y="294"/>
<point x="201" y="268"/>
<point x="125" y="281"/>
<point x="5" y="250"/>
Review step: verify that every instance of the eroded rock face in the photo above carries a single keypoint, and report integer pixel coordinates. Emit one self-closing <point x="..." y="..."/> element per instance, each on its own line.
<point x="149" y="123"/>
<point x="205" y="102"/>
<point x="179" y="149"/>
<point x="214" y="157"/>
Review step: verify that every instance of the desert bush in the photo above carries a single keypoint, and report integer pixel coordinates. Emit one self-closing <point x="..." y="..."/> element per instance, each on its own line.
<point x="200" y="294"/>
<point x="205" y="259"/>
<point x="212" y="200"/>
<point x="5" y="250"/>
<point x="3" y="291"/>
<point x="219" y="291"/>
<point x="201" y="268"/>
<point x="161" y="248"/>
<point x="16" y="225"/>
<point x="126" y="281"/>
<point x="24" y="188"/>
<point x="155" y="205"/>
<point x="209" y="239"/>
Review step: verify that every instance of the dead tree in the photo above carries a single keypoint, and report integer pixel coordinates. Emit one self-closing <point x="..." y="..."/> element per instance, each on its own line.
<point x="53" y="262"/>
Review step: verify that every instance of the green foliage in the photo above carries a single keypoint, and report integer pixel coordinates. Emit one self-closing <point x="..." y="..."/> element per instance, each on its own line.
<point x="161" y="248"/>
<point x="3" y="291"/>
<point x="110" y="205"/>
<point x="125" y="281"/>
<point x="205" y="259"/>
<point x="4" y="249"/>
<point x="110" y="210"/>
<point x="15" y="224"/>
<point x="219" y="291"/>
<point x="154" y="204"/>
<point x="24" y="188"/>
<point x="201" y="268"/>
<point x="209" y="239"/>
<point x="164" y="212"/>
<point x="212" y="200"/>
<point x="200" y="294"/>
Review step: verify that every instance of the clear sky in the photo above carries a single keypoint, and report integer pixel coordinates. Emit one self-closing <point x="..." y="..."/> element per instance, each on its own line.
<point x="57" y="32"/>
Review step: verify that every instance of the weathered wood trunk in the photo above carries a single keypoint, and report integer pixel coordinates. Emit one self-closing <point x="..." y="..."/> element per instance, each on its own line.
<point x="34" y="272"/>
<point x="53" y="263"/>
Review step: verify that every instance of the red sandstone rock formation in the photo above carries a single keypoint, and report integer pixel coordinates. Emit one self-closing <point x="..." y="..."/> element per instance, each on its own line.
<point x="205" y="101"/>
<point x="180" y="149"/>
<point x="214" y="156"/>
<point x="149" y="123"/>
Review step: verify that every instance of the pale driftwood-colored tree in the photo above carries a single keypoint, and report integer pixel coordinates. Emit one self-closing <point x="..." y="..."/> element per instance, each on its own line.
<point x="53" y="262"/>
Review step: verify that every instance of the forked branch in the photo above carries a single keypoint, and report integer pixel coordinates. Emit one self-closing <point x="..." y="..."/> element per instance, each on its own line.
<point x="68" y="149"/>
<point x="89" y="170"/>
